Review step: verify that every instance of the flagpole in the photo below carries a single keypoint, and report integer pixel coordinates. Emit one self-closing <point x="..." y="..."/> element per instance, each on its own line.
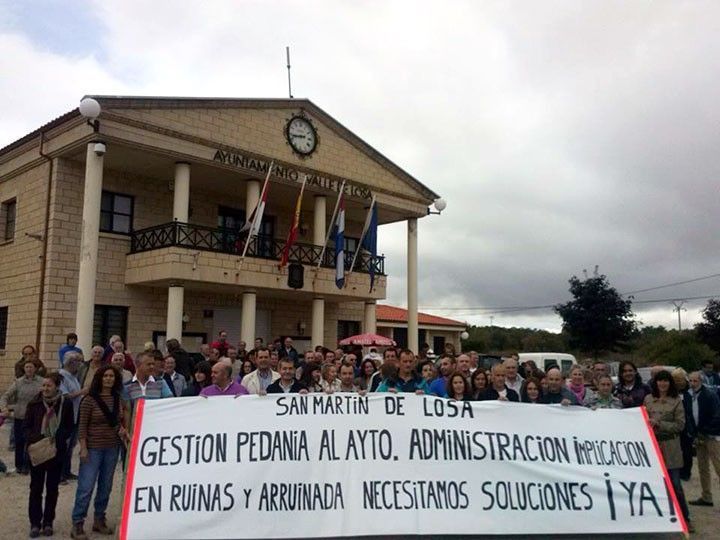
<point x="362" y="237"/>
<point x="332" y="224"/>
<point x="252" y="225"/>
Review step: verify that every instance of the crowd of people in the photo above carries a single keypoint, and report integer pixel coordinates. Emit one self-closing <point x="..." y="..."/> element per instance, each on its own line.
<point x="90" y="402"/>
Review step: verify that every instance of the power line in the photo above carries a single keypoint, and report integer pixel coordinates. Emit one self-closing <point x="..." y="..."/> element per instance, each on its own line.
<point x="508" y="309"/>
<point x="672" y="284"/>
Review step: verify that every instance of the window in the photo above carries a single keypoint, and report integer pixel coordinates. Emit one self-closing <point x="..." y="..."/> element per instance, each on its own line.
<point x="438" y="344"/>
<point x="9" y="209"/>
<point x="3" y="326"/>
<point x="346" y="329"/>
<point x="234" y="219"/>
<point x="116" y="213"/>
<point x="400" y="335"/>
<point x="109" y="321"/>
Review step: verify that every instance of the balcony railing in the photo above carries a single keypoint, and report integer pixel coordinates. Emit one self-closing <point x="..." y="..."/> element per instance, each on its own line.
<point x="232" y="242"/>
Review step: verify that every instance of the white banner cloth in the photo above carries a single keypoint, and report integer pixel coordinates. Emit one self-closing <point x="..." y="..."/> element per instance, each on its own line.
<point x="291" y="466"/>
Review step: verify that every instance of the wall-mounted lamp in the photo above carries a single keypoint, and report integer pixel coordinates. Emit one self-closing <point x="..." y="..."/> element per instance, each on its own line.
<point x="464" y="336"/>
<point x="301" y="328"/>
<point x="303" y="227"/>
<point x="185" y="318"/>
<point x="439" y="205"/>
<point x="90" y="109"/>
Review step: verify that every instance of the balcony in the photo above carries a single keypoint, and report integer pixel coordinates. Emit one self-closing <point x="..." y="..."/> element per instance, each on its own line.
<point x="231" y="242"/>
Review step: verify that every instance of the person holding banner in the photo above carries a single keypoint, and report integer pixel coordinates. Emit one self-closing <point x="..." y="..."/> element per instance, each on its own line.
<point x="446" y="368"/>
<point x="286" y="384"/>
<point x="666" y="416"/>
<point x="347" y="377"/>
<point x="329" y="381"/>
<point x="367" y="370"/>
<point x="143" y="385"/>
<point x="311" y="375"/>
<point x="576" y="385"/>
<point x="201" y="378"/>
<point x="102" y="430"/>
<point x="408" y="379"/>
<point x="603" y="398"/>
<point x="458" y="387"/>
<point x="531" y="391"/>
<point x="258" y="381"/>
<point x="630" y="388"/>
<point x="222" y="383"/>
<point x="48" y="416"/>
<point x="498" y="390"/>
<point x="389" y="357"/>
<point x="478" y="384"/>
<point x="556" y="393"/>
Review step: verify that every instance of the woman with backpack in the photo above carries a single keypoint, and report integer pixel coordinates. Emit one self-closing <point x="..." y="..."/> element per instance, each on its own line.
<point x="101" y="433"/>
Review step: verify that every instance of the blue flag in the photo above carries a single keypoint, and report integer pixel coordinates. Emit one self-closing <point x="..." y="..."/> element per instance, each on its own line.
<point x="369" y="240"/>
<point x="340" y="244"/>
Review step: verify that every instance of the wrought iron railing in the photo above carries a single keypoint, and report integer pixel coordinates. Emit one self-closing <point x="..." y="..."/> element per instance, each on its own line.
<point x="230" y="241"/>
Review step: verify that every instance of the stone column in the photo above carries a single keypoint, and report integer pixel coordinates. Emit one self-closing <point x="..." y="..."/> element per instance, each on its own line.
<point x="181" y="193"/>
<point x="412" y="284"/>
<point x="318" y="305"/>
<point x="319" y="225"/>
<point x="318" y="322"/>
<point x="370" y="318"/>
<point x="87" y="274"/>
<point x="247" y="322"/>
<point x="176" y="292"/>
<point x="176" y="298"/>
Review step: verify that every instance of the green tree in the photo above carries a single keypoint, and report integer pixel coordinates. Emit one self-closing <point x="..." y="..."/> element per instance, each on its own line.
<point x="708" y="331"/>
<point x="673" y="348"/>
<point x="597" y="319"/>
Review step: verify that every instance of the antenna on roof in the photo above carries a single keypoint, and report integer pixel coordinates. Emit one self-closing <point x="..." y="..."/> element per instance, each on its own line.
<point x="287" y="53"/>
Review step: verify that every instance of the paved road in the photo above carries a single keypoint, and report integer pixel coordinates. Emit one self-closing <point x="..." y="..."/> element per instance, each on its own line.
<point x="14" y="495"/>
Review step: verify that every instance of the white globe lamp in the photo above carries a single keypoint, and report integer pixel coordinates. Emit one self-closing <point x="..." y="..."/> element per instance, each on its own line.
<point x="90" y="108"/>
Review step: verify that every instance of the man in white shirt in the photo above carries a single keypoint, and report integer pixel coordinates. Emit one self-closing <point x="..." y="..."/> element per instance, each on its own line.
<point x="258" y="381"/>
<point x="513" y="379"/>
<point x="178" y="381"/>
<point x="463" y="365"/>
<point x="347" y="377"/>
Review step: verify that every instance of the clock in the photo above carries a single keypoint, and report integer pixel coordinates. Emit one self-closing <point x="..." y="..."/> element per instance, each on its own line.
<point x="301" y="135"/>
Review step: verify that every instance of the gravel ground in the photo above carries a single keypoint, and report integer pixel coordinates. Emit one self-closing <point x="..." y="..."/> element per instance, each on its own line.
<point x="14" y="496"/>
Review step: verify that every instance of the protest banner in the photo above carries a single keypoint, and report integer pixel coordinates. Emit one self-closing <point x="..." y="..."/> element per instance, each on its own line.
<point x="318" y="465"/>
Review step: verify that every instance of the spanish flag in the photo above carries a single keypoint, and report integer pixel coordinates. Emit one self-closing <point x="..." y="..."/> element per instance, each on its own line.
<point x="293" y="232"/>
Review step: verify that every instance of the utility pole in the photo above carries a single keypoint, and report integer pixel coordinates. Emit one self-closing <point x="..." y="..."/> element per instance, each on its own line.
<point x="679" y="307"/>
<point x="491" y="320"/>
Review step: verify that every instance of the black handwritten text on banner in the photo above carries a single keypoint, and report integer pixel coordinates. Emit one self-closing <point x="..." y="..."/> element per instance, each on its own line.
<point x="344" y="465"/>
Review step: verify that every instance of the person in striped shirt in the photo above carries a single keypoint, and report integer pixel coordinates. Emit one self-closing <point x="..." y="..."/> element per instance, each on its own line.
<point x="102" y="431"/>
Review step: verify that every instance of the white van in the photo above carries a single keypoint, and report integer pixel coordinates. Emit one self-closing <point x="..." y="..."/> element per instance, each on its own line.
<point x="544" y="360"/>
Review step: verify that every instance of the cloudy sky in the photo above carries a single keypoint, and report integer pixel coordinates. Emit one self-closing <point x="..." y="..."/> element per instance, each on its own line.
<point x="562" y="134"/>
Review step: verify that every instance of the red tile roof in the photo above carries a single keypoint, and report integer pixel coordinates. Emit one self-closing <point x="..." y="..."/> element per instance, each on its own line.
<point x="396" y="314"/>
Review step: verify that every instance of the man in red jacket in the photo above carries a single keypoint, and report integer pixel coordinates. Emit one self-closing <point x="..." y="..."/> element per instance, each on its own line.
<point x="221" y="344"/>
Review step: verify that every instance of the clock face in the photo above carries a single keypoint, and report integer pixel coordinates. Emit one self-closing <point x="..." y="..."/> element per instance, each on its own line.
<point x="301" y="135"/>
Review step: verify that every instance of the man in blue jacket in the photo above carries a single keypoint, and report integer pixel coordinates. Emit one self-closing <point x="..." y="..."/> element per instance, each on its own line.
<point x="705" y="407"/>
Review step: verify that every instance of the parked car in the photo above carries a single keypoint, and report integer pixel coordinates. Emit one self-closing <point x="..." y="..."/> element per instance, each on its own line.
<point x="544" y="360"/>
